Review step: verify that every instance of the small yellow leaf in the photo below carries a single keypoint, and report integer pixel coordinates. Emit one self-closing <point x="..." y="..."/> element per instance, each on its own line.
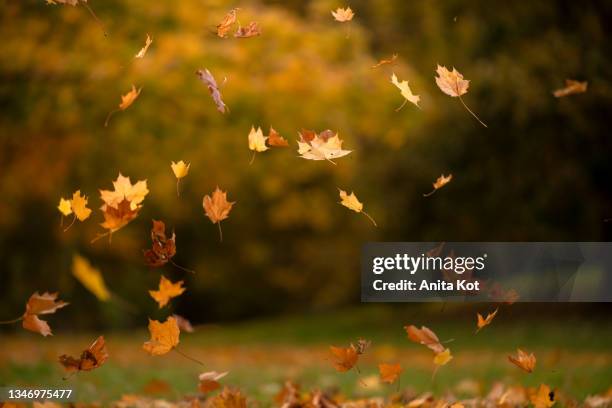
<point x="544" y="397"/>
<point x="167" y="290"/>
<point x="164" y="337"/>
<point x="65" y="207"/>
<point x="351" y="202"/>
<point x="257" y="141"/>
<point x="439" y="183"/>
<point x="90" y="277"/>
<point x="79" y="206"/>
<point x="129" y="98"/>
<point x="144" y="49"/>
<point x="405" y="91"/>
<point x="180" y="169"/>
<point x="443" y="358"/>
<point x="343" y="14"/>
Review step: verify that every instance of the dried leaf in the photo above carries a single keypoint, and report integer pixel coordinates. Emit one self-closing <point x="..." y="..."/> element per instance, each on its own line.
<point x="324" y="146"/>
<point x="439" y="183"/>
<point x="406" y="92"/>
<point x="523" y="360"/>
<point x="209" y="381"/>
<point x="344" y="358"/>
<point x="226" y="24"/>
<point x="572" y="87"/>
<point x="544" y="397"/>
<point x="144" y="49"/>
<point x="167" y="290"/>
<point x="92" y="358"/>
<point x="389" y="373"/>
<point x="128" y="99"/>
<point x="79" y="206"/>
<point x="210" y="82"/>
<point x="257" y="141"/>
<point x="362" y="346"/>
<point x="276" y="140"/>
<point x="343" y="14"/>
<point x="217" y="208"/>
<point x="162" y="249"/>
<point x="425" y="337"/>
<point x="453" y="84"/>
<point x="38" y="304"/>
<point x="164" y="337"/>
<point x="482" y="322"/>
<point x="90" y="277"/>
<point x="229" y="399"/>
<point x="443" y="357"/>
<point x="351" y="202"/>
<point x="385" y="61"/>
<point x="251" y="30"/>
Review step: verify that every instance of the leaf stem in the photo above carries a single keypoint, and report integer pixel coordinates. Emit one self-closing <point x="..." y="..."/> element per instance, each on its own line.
<point x="473" y="114"/>
<point x="95" y="17"/>
<point x="110" y="114"/>
<point x="370" y="218"/>
<point x="430" y="193"/>
<point x="180" y="267"/>
<point x="188" y="357"/>
<point x="252" y="158"/>
<point x="71" y="224"/>
<point x="178" y="191"/>
<point x="12" y="321"/>
<point x="220" y="231"/>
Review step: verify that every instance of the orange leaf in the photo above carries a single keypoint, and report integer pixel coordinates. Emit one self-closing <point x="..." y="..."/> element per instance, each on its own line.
<point x="345" y="358"/>
<point x="523" y="360"/>
<point x="93" y="357"/>
<point x="163" y="248"/>
<point x="38" y="304"/>
<point x="482" y="322"/>
<point x="210" y="381"/>
<point x="164" y="337"/>
<point x="276" y="140"/>
<point x="167" y="290"/>
<point x="389" y="373"/>
<point x="226" y="24"/>
<point x="425" y="337"/>
<point x="217" y="208"/>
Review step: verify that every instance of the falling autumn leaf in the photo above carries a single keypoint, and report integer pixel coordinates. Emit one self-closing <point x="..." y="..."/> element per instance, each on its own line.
<point x="257" y="141"/>
<point x="323" y="146"/>
<point x="90" y="277"/>
<point x="217" y="208"/>
<point x="126" y="101"/>
<point x="572" y="87"/>
<point x="443" y="357"/>
<point x="406" y="92"/>
<point x="344" y="358"/>
<point x="79" y="206"/>
<point x="351" y="202"/>
<point x="144" y="49"/>
<point x="276" y="140"/>
<point x="482" y="322"/>
<point x="226" y="24"/>
<point x="439" y="183"/>
<point x="210" y="82"/>
<point x="251" y="30"/>
<point x="65" y="207"/>
<point x="453" y="84"/>
<point x="164" y="337"/>
<point x="180" y="170"/>
<point x="38" y="304"/>
<point x="425" y="337"/>
<point x="361" y="346"/>
<point x="209" y="381"/>
<point x="93" y="357"/>
<point x="167" y="290"/>
<point x="162" y="249"/>
<point x="524" y="361"/>
<point x="385" y="61"/>
<point x="544" y="397"/>
<point x="343" y="15"/>
<point x="183" y="324"/>
<point x="389" y="373"/>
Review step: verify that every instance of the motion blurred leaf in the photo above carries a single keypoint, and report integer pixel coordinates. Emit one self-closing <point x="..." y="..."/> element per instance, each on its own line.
<point x="144" y="49"/>
<point x="90" y="277"/>
<point x="343" y="14"/>
<point x="443" y="357"/>
<point x="251" y="30"/>
<point x="68" y="2"/>
<point x="323" y="146"/>
<point x="362" y="346"/>
<point x="572" y="87"/>
<point x="385" y="61"/>
<point x="183" y="324"/>
<point x="344" y="358"/>
<point x="351" y="202"/>
<point x="439" y="183"/>
<point x="425" y="337"/>
<point x="167" y="290"/>
<point x="64" y="207"/>
<point x="79" y="206"/>
<point x="544" y="397"/>
<point x="389" y="373"/>
<point x="38" y="304"/>
<point x="482" y="322"/>
<point x="162" y="249"/>
<point x="226" y="24"/>
<point x="209" y="381"/>
<point x="217" y="208"/>
<point x="453" y="84"/>
<point x="210" y="82"/>
<point x="523" y="360"/>
<point x="164" y="337"/>
<point x="406" y="92"/>
<point x="276" y="140"/>
<point x="92" y="358"/>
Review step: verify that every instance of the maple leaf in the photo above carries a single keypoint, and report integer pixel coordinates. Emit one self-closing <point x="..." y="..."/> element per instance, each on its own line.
<point x="257" y="141"/>
<point x="439" y="183"/>
<point x="544" y="397"/>
<point x="572" y="87"/>
<point x="167" y="290"/>
<point x="93" y="357"/>
<point x="226" y="24"/>
<point x="125" y="191"/>
<point x="209" y="381"/>
<point x="38" y="304"/>
<point x="406" y="92"/>
<point x="90" y="277"/>
<point x="116" y="218"/>
<point x="351" y="202"/>
<point x="180" y="170"/>
<point x="276" y="140"/>
<point x="79" y="206"/>
<point x="453" y="84"/>
<point x="126" y="101"/>
<point x="164" y="337"/>
<point x="524" y="361"/>
<point x="425" y="337"/>
<point x="385" y="61"/>
<point x="229" y="399"/>
<point x="217" y="208"/>
<point x="144" y="49"/>
<point x="206" y="77"/>
<point x="65" y="207"/>
<point x="443" y="357"/>
<point x="482" y="322"/>
<point x="183" y="324"/>
<point x="389" y="373"/>
<point x="163" y="248"/>
<point x="344" y="358"/>
<point x="343" y="15"/>
<point x="251" y="30"/>
<point x="323" y="146"/>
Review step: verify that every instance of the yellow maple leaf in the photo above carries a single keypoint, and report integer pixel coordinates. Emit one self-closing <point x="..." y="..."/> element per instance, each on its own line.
<point x="217" y="208"/>
<point x="64" y="207"/>
<point x="79" y="206"/>
<point x="144" y="49"/>
<point x="406" y="92"/>
<point x="343" y="15"/>
<point x="443" y="357"/>
<point x="257" y="141"/>
<point x="90" y="277"/>
<point x="351" y="202"/>
<point x="453" y="84"/>
<point x="124" y="190"/>
<point x="126" y="101"/>
<point x="326" y="145"/>
<point x="167" y="290"/>
<point x="439" y="183"/>
<point x="544" y="397"/>
<point x="164" y="337"/>
<point x="180" y="169"/>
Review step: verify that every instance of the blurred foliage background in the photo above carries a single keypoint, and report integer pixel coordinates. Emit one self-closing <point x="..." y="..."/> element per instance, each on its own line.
<point x="540" y="171"/>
